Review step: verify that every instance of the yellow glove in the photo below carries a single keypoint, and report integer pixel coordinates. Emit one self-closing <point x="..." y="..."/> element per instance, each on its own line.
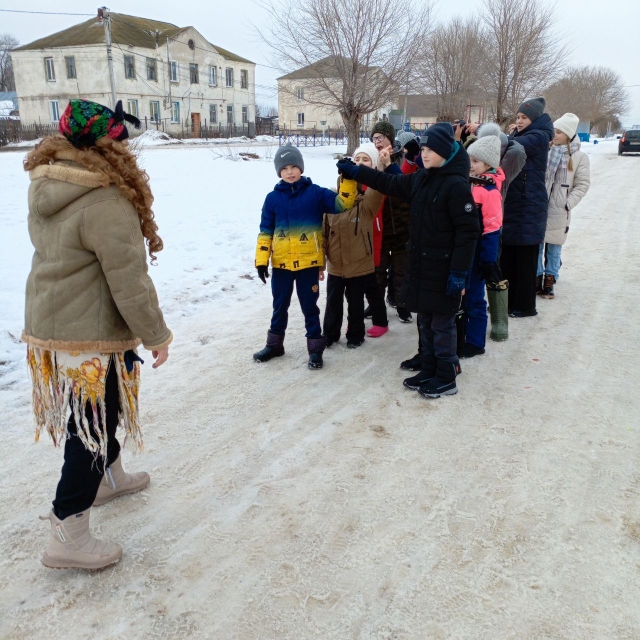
<point x="348" y="192"/>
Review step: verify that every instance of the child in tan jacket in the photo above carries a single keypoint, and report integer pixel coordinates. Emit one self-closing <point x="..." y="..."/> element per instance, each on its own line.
<point x="348" y="241"/>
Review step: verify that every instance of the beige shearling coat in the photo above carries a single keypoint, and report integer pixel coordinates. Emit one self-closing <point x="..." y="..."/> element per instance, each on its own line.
<point x="564" y="197"/>
<point x="88" y="289"/>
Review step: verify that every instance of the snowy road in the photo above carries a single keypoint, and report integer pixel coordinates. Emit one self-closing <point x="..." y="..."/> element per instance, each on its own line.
<point x="290" y="504"/>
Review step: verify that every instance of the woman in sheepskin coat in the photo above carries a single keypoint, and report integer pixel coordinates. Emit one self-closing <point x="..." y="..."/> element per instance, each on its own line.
<point x="568" y="180"/>
<point x="89" y="304"/>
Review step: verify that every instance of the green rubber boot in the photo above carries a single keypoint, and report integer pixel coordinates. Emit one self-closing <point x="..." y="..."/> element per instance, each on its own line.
<point x="498" y="297"/>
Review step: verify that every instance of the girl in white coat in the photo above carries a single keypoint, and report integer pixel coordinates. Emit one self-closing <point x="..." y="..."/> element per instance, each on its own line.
<point x="568" y="180"/>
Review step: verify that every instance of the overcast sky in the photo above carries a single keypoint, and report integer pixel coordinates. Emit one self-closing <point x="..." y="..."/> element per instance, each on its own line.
<point x="598" y="33"/>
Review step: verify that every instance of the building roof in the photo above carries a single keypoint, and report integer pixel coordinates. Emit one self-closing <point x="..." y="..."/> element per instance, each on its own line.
<point x="325" y="68"/>
<point x="418" y="106"/>
<point x="125" y="30"/>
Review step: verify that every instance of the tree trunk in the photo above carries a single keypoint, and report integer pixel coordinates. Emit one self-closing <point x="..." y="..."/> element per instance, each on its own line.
<point x="352" y="127"/>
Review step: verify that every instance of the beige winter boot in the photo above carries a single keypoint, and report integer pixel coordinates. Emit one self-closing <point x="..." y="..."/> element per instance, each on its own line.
<point x="71" y="545"/>
<point x="116" y="482"/>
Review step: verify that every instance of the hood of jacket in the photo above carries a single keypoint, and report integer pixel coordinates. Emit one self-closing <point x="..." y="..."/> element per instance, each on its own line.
<point x="55" y="186"/>
<point x="457" y="164"/>
<point x="543" y="123"/>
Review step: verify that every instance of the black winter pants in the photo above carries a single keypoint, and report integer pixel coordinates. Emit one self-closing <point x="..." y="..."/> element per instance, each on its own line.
<point x="81" y="472"/>
<point x="519" y="266"/>
<point x="438" y="338"/>
<point x="396" y="260"/>
<point x="375" y="298"/>
<point x="353" y="289"/>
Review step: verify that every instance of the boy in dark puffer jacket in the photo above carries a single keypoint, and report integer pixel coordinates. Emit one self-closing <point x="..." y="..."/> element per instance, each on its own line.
<point x="443" y="234"/>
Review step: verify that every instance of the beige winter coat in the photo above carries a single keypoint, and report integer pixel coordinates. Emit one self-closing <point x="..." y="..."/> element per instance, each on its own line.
<point x="348" y="237"/>
<point x="563" y="198"/>
<point x="88" y="289"/>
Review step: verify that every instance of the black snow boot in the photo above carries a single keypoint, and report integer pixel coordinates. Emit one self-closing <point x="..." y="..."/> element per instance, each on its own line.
<point x="368" y="313"/>
<point x="354" y="344"/>
<point x="427" y="371"/>
<point x="391" y="298"/>
<point x="539" y="285"/>
<point x="468" y="350"/>
<point x="330" y="341"/>
<point x="315" y="346"/>
<point x="404" y="314"/>
<point x="273" y="349"/>
<point x="444" y="383"/>
<point x="413" y="364"/>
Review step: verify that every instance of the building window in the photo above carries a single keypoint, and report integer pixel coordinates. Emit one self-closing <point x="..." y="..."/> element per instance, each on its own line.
<point x="245" y="115"/>
<point x="132" y="108"/>
<point x="213" y="79"/>
<point x="300" y="94"/>
<point x="213" y="114"/>
<point x="129" y="67"/>
<point x="173" y="72"/>
<point x="154" y="110"/>
<point x="229" y="114"/>
<point x="175" y="112"/>
<point x="152" y="71"/>
<point x="244" y="79"/>
<point x="54" y="110"/>
<point x="301" y="119"/>
<point x="193" y="73"/>
<point x="229" y="76"/>
<point x="70" y="62"/>
<point x="49" y="70"/>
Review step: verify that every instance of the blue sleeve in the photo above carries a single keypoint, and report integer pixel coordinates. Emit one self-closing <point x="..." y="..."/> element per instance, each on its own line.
<point x="393" y="169"/>
<point x="489" y="245"/>
<point x="268" y="219"/>
<point x="327" y="200"/>
<point x="534" y="142"/>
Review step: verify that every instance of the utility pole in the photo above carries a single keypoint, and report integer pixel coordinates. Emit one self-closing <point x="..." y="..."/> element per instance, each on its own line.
<point x="105" y="16"/>
<point x="169" y="67"/>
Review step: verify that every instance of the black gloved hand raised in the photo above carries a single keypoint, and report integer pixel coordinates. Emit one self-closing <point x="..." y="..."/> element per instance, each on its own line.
<point x="263" y="272"/>
<point x="348" y="168"/>
<point x="413" y="149"/>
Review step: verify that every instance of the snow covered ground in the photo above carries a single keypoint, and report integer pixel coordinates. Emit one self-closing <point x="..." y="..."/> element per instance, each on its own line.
<point x="291" y="504"/>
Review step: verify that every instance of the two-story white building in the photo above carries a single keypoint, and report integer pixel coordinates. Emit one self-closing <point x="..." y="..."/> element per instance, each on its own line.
<point x="300" y="108"/>
<point x="170" y="77"/>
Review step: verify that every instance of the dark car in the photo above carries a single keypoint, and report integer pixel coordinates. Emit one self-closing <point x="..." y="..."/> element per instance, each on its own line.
<point x="630" y="142"/>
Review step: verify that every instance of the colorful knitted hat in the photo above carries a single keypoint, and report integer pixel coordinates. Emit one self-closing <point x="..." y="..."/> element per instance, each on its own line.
<point x="83" y="123"/>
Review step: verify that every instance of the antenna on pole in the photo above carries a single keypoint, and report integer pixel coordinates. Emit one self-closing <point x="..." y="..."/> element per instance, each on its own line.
<point x="104" y="16"/>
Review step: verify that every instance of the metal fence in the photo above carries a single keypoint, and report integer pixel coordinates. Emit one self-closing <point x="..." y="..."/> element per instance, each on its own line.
<point x="186" y="129"/>
<point x="313" y="139"/>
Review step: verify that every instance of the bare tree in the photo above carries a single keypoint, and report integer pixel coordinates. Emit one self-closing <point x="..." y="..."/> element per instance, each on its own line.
<point x="452" y="68"/>
<point x="596" y="94"/>
<point x="265" y="110"/>
<point x="525" y="52"/>
<point x="359" y="53"/>
<point x="7" y="43"/>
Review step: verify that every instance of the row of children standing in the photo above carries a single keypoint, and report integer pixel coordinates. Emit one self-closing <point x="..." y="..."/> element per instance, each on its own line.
<point x="439" y="230"/>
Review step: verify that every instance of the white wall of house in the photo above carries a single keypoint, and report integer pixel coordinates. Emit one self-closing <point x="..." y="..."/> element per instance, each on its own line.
<point x="149" y="91"/>
<point x="296" y="112"/>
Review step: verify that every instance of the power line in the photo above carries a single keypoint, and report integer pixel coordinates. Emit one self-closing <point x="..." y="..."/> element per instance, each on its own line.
<point x="48" y="13"/>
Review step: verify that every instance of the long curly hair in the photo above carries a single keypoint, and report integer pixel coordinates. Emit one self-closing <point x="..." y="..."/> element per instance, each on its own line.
<point x="113" y="161"/>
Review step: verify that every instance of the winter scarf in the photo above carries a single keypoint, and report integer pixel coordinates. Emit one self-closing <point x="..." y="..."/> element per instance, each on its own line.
<point x="65" y="381"/>
<point x="558" y="162"/>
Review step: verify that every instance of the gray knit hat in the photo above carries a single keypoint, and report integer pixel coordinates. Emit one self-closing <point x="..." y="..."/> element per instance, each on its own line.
<point x="492" y="129"/>
<point x="533" y="108"/>
<point x="487" y="150"/>
<point x="385" y="128"/>
<point x="288" y="155"/>
<point x="405" y="136"/>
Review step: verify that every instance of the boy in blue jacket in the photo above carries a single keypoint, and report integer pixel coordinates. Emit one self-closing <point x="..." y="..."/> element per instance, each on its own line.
<point x="291" y="236"/>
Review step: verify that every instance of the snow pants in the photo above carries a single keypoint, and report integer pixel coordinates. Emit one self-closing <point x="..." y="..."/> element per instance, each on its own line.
<point x="353" y="289"/>
<point x="395" y="260"/>
<point x="81" y="472"/>
<point x="438" y="339"/>
<point x="308" y="290"/>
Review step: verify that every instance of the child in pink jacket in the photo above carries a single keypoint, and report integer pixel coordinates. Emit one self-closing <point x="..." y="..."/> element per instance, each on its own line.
<point x="486" y="179"/>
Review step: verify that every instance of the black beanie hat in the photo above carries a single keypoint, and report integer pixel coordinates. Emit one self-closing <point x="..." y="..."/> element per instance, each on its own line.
<point x="533" y="108"/>
<point x="385" y="128"/>
<point x="439" y="138"/>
